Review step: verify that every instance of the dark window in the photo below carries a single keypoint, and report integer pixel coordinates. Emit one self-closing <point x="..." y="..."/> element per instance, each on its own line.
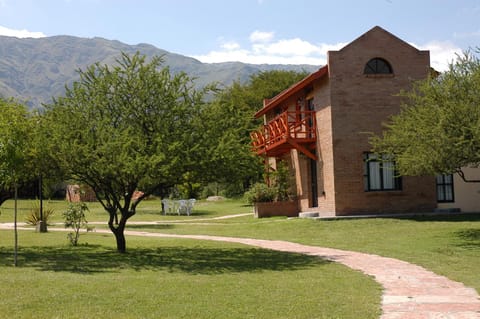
<point x="377" y="66"/>
<point x="310" y="105"/>
<point x="445" y="188"/>
<point x="380" y="174"/>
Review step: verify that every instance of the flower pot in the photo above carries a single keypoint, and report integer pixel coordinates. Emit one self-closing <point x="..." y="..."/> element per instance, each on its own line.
<point x="270" y="209"/>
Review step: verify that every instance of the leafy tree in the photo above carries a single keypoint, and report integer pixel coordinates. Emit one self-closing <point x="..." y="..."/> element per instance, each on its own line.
<point x="15" y="132"/>
<point x="124" y="128"/>
<point x="228" y="122"/>
<point x="15" y="129"/>
<point x="75" y="218"/>
<point x="438" y="129"/>
<point x="13" y="118"/>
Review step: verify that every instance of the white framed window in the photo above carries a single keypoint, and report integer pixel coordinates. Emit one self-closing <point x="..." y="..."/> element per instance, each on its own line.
<point x="445" y="188"/>
<point x="380" y="174"/>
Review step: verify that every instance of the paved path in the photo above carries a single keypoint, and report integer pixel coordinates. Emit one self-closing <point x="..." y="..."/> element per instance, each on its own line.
<point x="410" y="291"/>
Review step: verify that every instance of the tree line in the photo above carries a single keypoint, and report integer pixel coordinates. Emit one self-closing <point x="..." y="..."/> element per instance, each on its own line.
<point x="136" y="126"/>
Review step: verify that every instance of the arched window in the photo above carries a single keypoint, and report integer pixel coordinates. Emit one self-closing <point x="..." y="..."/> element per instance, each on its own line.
<point x="377" y="66"/>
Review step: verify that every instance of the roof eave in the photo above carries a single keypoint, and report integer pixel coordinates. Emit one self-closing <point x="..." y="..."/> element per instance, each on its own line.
<point x="269" y="104"/>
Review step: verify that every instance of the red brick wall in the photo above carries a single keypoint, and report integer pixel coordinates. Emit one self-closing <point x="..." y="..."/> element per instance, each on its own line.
<point x="325" y="179"/>
<point x="360" y="104"/>
<point x="350" y="106"/>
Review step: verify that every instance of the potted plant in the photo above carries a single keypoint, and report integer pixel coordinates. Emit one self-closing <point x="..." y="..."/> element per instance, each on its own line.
<point x="277" y="198"/>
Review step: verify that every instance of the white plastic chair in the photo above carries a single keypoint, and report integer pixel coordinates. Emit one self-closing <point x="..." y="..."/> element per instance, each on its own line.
<point x="167" y="207"/>
<point x="190" y="204"/>
<point x="182" y="207"/>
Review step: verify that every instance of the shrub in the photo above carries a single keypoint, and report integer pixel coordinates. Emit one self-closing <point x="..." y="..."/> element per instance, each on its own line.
<point x="283" y="182"/>
<point x="281" y="187"/>
<point x="75" y="218"/>
<point x="260" y="192"/>
<point x="34" y="217"/>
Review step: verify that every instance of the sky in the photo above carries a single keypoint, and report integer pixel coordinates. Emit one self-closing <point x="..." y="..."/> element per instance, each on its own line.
<point x="252" y="31"/>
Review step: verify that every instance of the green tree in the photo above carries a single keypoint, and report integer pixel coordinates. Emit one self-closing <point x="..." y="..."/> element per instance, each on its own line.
<point x="75" y="218"/>
<point x="13" y="117"/>
<point x="438" y="129"/>
<point x="124" y="128"/>
<point x="15" y="132"/>
<point x="228" y="121"/>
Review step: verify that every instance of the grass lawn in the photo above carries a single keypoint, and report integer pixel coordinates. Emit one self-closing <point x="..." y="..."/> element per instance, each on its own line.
<point x="174" y="278"/>
<point x="447" y="245"/>
<point x="147" y="210"/>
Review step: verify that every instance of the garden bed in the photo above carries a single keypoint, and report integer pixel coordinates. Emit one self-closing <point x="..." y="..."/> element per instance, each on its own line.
<point x="270" y="209"/>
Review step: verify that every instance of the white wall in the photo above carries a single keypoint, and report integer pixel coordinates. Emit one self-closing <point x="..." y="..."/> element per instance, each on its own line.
<point x="467" y="195"/>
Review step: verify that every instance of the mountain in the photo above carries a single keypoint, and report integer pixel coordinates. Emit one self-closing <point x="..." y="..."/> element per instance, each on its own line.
<point x="35" y="70"/>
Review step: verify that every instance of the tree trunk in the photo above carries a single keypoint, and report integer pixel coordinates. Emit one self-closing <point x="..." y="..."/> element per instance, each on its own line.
<point x="118" y="231"/>
<point x="121" y="242"/>
<point x="15" y="254"/>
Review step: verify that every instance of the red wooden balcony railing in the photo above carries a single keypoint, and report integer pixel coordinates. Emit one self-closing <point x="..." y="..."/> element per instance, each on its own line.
<point x="286" y="131"/>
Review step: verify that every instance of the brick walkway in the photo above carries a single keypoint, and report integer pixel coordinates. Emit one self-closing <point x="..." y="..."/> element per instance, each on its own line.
<point x="410" y="291"/>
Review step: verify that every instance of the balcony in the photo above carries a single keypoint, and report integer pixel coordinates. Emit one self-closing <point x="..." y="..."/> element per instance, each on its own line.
<point x="289" y="130"/>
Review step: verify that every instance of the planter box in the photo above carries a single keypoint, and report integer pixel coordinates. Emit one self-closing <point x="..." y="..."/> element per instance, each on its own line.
<point x="270" y="209"/>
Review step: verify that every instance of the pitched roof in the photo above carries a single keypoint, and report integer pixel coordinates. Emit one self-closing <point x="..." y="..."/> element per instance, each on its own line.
<point x="379" y="30"/>
<point x="269" y="104"/>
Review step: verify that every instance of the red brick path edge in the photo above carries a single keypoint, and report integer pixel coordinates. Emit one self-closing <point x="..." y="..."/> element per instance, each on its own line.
<point x="409" y="291"/>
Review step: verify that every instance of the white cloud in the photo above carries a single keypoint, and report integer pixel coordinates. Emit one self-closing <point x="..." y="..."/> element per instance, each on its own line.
<point x="441" y="53"/>
<point x="259" y="36"/>
<point x="230" y="46"/>
<point x="20" y="33"/>
<point x="263" y="48"/>
<point x="289" y="47"/>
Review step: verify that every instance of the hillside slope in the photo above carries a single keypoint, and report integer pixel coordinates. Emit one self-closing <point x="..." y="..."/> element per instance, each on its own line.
<point x="35" y="70"/>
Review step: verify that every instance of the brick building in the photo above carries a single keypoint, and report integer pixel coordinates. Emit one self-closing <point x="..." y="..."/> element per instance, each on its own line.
<point x="321" y="127"/>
